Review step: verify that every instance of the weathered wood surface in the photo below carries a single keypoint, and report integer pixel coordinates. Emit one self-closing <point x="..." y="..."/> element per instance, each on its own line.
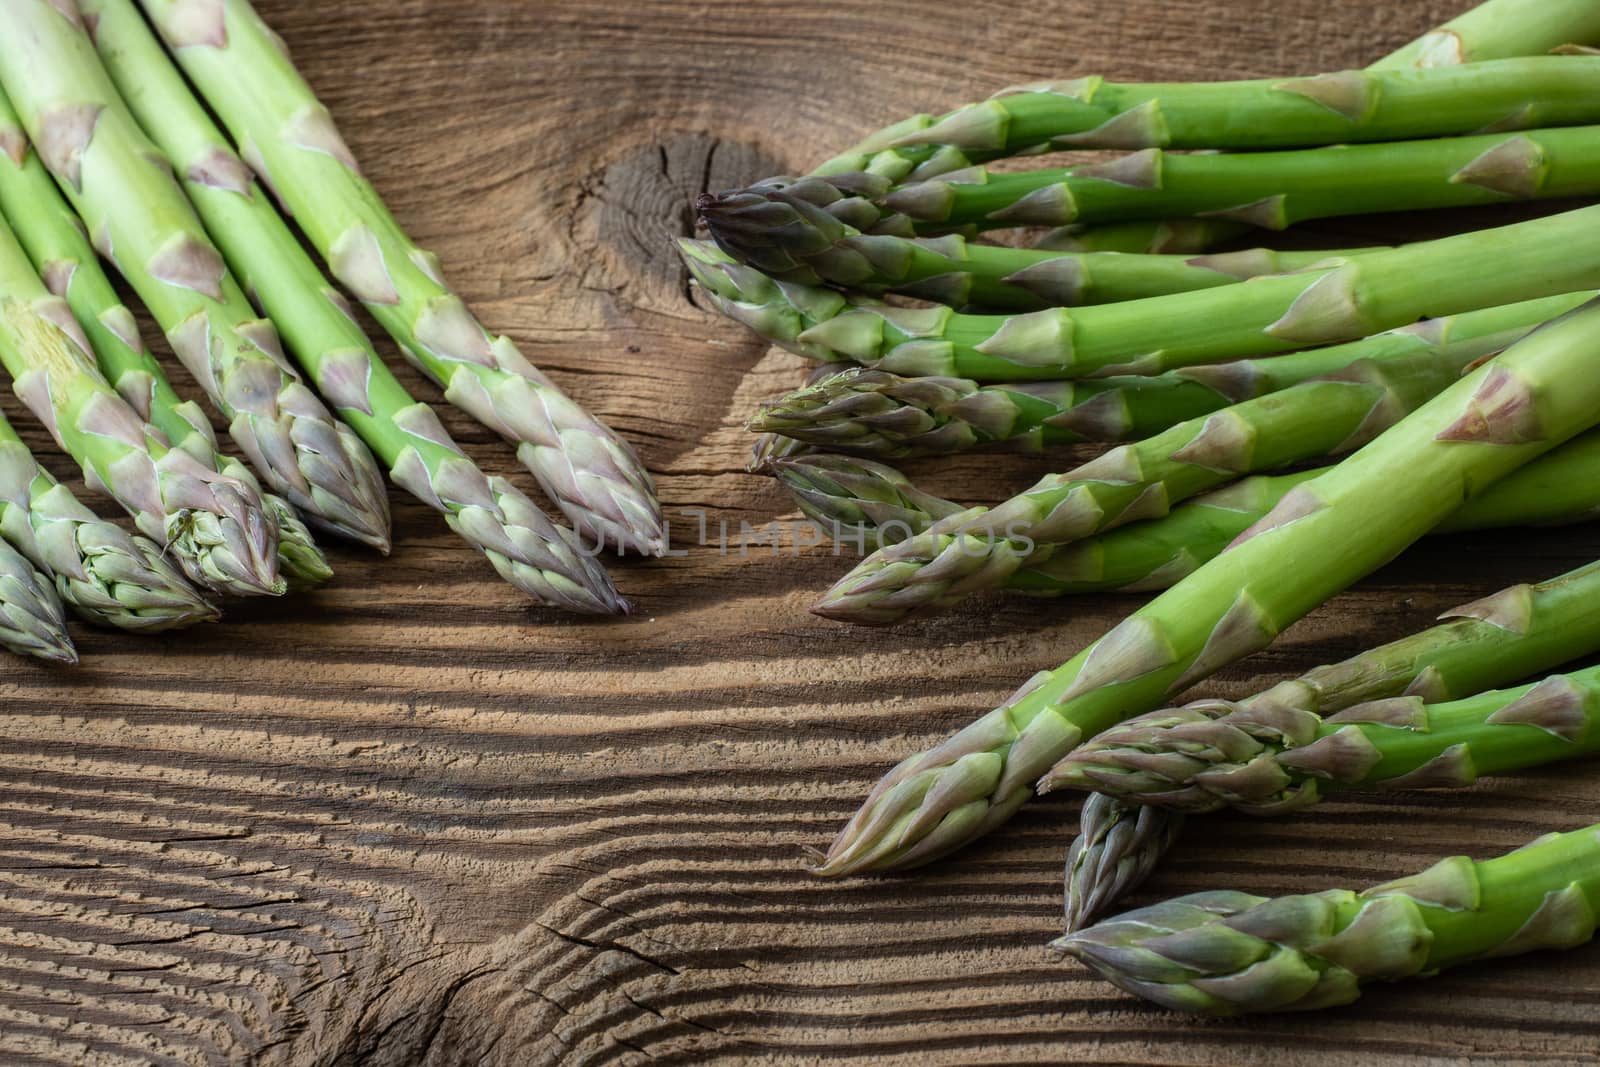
<point x="408" y="820"/>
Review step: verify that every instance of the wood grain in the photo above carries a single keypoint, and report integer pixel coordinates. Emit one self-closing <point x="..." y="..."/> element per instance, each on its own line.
<point x="409" y="820"/>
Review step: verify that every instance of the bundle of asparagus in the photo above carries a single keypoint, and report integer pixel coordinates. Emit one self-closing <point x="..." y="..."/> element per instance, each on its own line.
<point x="1228" y="377"/>
<point x="95" y="123"/>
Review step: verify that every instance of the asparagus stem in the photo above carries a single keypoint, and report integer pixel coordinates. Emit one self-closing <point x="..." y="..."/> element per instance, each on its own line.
<point x="1518" y="632"/>
<point x="1163" y="237"/>
<point x="32" y="620"/>
<point x="1227" y="953"/>
<point x="1497" y="29"/>
<point x="1559" y="488"/>
<point x="1500" y="29"/>
<point x="789" y="228"/>
<point x="1493" y="421"/>
<point x="51" y="235"/>
<point x="535" y="555"/>
<point x="214" y="525"/>
<point x="980" y="549"/>
<point x="122" y="187"/>
<point x="876" y="413"/>
<point x="240" y="68"/>
<point x="107" y="576"/>
<point x="1348" y="299"/>
<point x="1264" y="761"/>
<point x="779" y="224"/>
<point x="864" y="503"/>
<point x="1116" y="849"/>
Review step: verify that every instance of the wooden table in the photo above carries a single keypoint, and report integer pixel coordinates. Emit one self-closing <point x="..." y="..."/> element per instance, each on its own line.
<point x="410" y="820"/>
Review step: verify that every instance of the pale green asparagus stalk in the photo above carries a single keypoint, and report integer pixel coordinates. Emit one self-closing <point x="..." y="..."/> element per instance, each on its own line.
<point x="212" y="525"/>
<point x="1346" y="300"/>
<point x="1499" y="418"/>
<point x="289" y="137"/>
<point x="1518" y="632"/>
<point x="981" y="549"/>
<point x="32" y="620"/>
<point x="1500" y="29"/>
<point x="107" y="576"/>
<point x="863" y="503"/>
<point x="1556" y="489"/>
<point x="875" y="413"/>
<point x="1271" y="190"/>
<point x="1268" y="760"/>
<point x="541" y="559"/>
<point x="1497" y="29"/>
<point x="1165" y="237"/>
<point x="1227" y="953"/>
<point x="53" y="238"/>
<point x="122" y="187"/>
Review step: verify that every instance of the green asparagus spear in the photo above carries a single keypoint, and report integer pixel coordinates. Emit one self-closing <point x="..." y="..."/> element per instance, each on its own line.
<point x="951" y="270"/>
<point x="1164" y="237"/>
<point x="32" y="620"/>
<point x="213" y="525"/>
<point x="1516" y="633"/>
<point x="1348" y="299"/>
<point x="1116" y="849"/>
<point x="1500" y="417"/>
<point x="1271" y="190"/>
<point x="981" y="548"/>
<point x="288" y="136"/>
<point x="876" y="413"/>
<point x="107" y="576"/>
<point x="51" y="235"/>
<point x="863" y="503"/>
<point x="770" y="447"/>
<point x="541" y="559"/>
<point x="1500" y="29"/>
<point x="122" y="187"/>
<point x="1230" y="953"/>
<point x="872" y="501"/>
<point x="1212" y="755"/>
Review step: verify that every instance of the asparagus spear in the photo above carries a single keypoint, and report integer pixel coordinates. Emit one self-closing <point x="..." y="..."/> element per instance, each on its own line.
<point x="1227" y="953"/>
<point x="1117" y="847"/>
<point x="981" y="548"/>
<point x="290" y="139"/>
<point x="1518" y="632"/>
<point x="108" y="577"/>
<point x="54" y="241"/>
<point x="122" y="188"/>
<point x="876" y="413"/>
<point x="1162" y="237"/>
<point x="541" y="559"/>
<point x="1348" y="299"/>
<point x="32" y="620"/>
<point x="1500" y="29"/>
<point x="1210" y="755"/>
<point x="952" y="270"/>
<point x="1493" y="421"/>
<point x="213" y="525"/>
<point x="861" y="502"/>
<point x="787" y="228"/>
<point x="872" y="501"/>
<point x="770" y="447"/>
<point x="776" y="224"/>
